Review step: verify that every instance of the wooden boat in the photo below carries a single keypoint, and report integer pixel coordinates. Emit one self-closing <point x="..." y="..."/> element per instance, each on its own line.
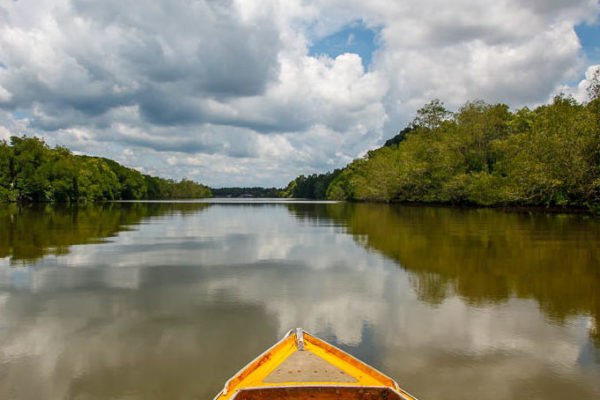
<point x="301" y="367"/>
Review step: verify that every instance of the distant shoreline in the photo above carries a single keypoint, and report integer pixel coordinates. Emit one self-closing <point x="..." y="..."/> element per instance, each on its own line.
<point x="284" y="200"/>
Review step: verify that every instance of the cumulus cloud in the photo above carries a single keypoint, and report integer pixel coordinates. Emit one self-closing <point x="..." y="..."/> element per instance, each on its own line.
<point x="580" y="90"/>
<point x="234" y="80"/>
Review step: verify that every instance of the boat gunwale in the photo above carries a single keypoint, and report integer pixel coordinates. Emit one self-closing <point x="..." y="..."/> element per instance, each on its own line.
<point x="261" y="355"/>
<point x="366" y="368"/>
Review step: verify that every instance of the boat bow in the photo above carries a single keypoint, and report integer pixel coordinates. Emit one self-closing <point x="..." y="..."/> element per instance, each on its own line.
<point x="301" y="366"/>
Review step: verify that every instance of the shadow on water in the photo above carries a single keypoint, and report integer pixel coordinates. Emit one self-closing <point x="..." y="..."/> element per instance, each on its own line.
<point x="484" y="256"/>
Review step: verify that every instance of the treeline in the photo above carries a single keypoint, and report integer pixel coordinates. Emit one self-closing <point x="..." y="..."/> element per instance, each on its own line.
<point x="31" y="171"/>
<point x="484" y="154"/>
<point x="246" y="192"/>
<point x="310" y="187"/>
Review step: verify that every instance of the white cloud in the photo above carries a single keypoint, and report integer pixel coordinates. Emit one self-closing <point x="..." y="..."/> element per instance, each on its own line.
<point x="4" y="133"/>
<point x="233" y="80"/>
<point x="580" y="90"/>
<point x="5" y="95"/>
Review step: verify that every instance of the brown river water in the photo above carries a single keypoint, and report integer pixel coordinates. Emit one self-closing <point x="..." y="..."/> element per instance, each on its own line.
<point x="167" y="300"/>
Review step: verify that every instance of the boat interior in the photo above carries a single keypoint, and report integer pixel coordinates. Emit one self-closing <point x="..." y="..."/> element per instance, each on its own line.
<point x="318" y="393"/>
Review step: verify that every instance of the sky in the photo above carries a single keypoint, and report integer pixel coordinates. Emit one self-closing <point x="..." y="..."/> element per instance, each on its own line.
<point x="257" y="92"/>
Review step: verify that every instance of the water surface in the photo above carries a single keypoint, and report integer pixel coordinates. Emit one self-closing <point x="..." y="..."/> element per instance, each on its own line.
<point x="168" y="300"/>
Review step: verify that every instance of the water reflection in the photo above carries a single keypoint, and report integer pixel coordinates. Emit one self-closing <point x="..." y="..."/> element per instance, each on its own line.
<point x="33" y="231"/>
<point x="488" y="256"/>
<point x="181" y="297"/>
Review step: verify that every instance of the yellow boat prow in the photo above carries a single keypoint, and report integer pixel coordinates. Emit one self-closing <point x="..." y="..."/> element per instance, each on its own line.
<point x="302" y="366"/>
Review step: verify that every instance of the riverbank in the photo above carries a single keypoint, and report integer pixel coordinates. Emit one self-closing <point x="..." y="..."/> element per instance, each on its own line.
<point x="31" y="171"/>
<point x="497" y="207"/>
<point x="484" y="154"/>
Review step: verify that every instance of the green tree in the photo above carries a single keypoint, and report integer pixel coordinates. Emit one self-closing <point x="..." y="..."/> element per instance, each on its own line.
<point x="485" y="155"/>
<point x="30" y="181"/>
<point x="480" y="124"/>
<point x="7" y="192"/>
<point x="32" y="171"/>
<point x="431" y="115"/>
<point x="310" y="187"/>
<point x="555" y="162"/>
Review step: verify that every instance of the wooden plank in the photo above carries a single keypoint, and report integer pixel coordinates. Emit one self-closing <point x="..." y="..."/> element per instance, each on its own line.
<point x="304" y="366"/>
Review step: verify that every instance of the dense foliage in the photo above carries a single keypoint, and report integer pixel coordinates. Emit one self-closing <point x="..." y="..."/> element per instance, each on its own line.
<point x="32" y="171"/>
<point x="400" y="136"/>
<point x="310" y="187"/>
<point x="486" y="155"/>
<point x="246" y="192"/>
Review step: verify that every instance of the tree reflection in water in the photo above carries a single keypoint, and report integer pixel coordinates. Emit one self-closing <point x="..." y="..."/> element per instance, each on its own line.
<point x="483" y="255"/>
<point x="168" y="300"/>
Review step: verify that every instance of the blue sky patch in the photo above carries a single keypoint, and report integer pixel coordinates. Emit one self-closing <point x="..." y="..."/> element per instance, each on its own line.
<point x="21" y="114"/>
<point x="589" y="36"/>
<point x="355" y="37"/>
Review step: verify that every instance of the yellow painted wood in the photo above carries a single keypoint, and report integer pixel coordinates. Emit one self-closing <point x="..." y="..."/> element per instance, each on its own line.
<point x="254" y="374"/>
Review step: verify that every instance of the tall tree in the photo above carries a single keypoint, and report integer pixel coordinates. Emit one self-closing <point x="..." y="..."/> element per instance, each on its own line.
<point x="431" y="115"/>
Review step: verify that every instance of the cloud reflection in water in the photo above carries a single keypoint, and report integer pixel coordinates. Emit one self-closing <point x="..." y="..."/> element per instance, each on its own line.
<point x="174" y="305"/>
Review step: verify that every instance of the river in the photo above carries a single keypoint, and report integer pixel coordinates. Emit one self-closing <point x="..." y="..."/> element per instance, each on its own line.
<point x="167" y="300"/>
